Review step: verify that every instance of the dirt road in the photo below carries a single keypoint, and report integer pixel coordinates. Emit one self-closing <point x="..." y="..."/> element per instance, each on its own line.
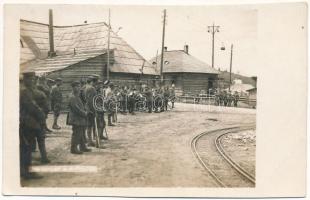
<point x="143" y="150"/>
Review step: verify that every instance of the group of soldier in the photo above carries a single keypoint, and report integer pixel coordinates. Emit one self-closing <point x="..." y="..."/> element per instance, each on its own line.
<point x="89" y="101"/>
<point x="37" y="96"/>
<point x="227" y="98"/>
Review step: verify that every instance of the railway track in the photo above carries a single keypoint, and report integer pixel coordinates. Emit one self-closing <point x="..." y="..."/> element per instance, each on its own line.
<point x="208" y="150"/>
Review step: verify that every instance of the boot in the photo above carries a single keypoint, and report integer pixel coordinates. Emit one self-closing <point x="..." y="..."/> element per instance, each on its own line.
<point x="90" y="141"/>
<point x="76" y="151"/>
<point x="84" y="148"/>
<point x="55" y="125"/>
<point x="110" y="121"/>
<point x="42" y="148"/>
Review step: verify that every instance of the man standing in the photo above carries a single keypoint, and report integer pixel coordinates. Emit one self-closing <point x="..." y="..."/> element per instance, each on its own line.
<point x="172" y="95"/>
<point x="109" y="95"/>
<point x="100" y="112"/>
<point x="43" y="87"/>
<point x="41" y="100"/>
<point x="32" y="120"/>
<point x="236" y="99"/>
<point x="149" y="99"/>
<point x="166" y="96"/>
<point x="90" y="93"/>
<point x="56" y="101"/>
<point x="77" y="119"/>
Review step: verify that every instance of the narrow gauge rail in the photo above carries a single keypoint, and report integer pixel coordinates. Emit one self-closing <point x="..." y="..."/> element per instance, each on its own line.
<point x="224" y="173"/>
<point x="235" y="165"/>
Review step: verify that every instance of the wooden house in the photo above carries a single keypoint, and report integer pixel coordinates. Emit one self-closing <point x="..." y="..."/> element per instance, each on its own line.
<point x="189" y="75"/>
<point x="75" y="52"/>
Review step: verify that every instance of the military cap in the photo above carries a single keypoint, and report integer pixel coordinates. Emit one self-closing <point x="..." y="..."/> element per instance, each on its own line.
<point x="50" y="80"/>
<point x="42" y="78"/>
<point x="29" y="75"/>
<point x="107" y="82"/>
<point x="75" y="83"/>
<point x="58" y="79"/>
<point x="90" y="78"/>
<point x="95" y="76"/>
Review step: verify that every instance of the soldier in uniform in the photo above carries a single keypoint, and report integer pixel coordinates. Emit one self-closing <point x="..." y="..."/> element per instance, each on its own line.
<point x="131" y="101"/>
<point x="123" y="99"/>
<point x="32" y="119"/>
<point x="149" y="99"/>
<point x="166" y="95"/>
<point x="225" y="99"/>
<point x="236" y="99"/>
<point x="109" y="95"/>
<point x="229" y="98"/>
<point x="56" y="101"/>
<point x="43" y="87"/>
<point x="90" y="93"/>
<point x="82" y="93"/>
<point x="162" y="102"/>
<point x="172" y="95"/>
<point x="77" y="118"/>
<point x="41" y="100"/>
<point x="100" y="113"/>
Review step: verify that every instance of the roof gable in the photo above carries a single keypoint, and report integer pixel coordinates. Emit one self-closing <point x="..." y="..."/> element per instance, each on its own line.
<point x="77" y="42"/>
<point x="179" y="61"/>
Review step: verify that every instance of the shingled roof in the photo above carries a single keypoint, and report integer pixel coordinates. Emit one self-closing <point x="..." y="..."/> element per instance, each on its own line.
<point x="178" y="61"/>
<point x="74" y="44"/>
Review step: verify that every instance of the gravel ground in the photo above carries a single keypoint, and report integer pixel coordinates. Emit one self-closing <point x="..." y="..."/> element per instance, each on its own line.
<point x="241" y="148"/>
<point x="143" y="150"/>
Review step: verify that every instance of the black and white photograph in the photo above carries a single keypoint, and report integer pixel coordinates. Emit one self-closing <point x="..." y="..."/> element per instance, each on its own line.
<point x="140" y="96"/>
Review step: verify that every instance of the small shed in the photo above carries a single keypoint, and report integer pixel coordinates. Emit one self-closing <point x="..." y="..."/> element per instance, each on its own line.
<point x="252" y="97"/>
<point x="189" y="75"/>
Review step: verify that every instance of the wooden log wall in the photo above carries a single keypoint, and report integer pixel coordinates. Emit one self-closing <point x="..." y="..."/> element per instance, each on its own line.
<point x="97" y="66"/>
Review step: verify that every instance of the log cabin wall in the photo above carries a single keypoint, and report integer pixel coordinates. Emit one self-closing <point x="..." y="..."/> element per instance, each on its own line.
<point x="97" y="66"/>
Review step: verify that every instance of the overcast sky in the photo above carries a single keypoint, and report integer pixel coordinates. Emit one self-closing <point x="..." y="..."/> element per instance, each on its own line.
<point x="142" y="29"/>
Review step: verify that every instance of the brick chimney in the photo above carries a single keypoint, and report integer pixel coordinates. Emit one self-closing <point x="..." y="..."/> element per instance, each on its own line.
<point x="51" y="52"/>
<point x="186" y="49"/>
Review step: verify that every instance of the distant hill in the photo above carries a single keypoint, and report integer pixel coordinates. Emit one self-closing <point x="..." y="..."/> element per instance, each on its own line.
<point x="245" y="79"/>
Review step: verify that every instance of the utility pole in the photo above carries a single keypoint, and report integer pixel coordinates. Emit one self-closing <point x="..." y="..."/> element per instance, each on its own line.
<point x="231" y="55"/>
<point x="213" y="29"/>
<point x="162" y="50"/>
<point x="108" y="53"/>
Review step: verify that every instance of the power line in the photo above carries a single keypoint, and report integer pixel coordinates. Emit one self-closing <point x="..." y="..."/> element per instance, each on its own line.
<point x="213" y="29"/>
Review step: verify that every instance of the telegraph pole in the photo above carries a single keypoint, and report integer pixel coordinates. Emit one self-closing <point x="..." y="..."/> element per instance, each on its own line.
<point x="108" y="53"/>
<point x="162" y="50"/>
<point x="231" y="55"/>
<point x="213" y="29"/>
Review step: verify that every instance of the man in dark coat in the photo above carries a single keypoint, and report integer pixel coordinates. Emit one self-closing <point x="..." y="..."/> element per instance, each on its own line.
<point x="32" y="119"/>
<point x="149" y="99"/>
<point x="172" y="96"/>
<point x="77" y="119"/>
<point x="43" y="87"/>
<point x="90" y="93"/>
<point x="41" y="100"/>
<point x="166" y="95"/>
<point x="236" y="99"/>
<point x="56" y="101"/>
<point x="100" y="111"/>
